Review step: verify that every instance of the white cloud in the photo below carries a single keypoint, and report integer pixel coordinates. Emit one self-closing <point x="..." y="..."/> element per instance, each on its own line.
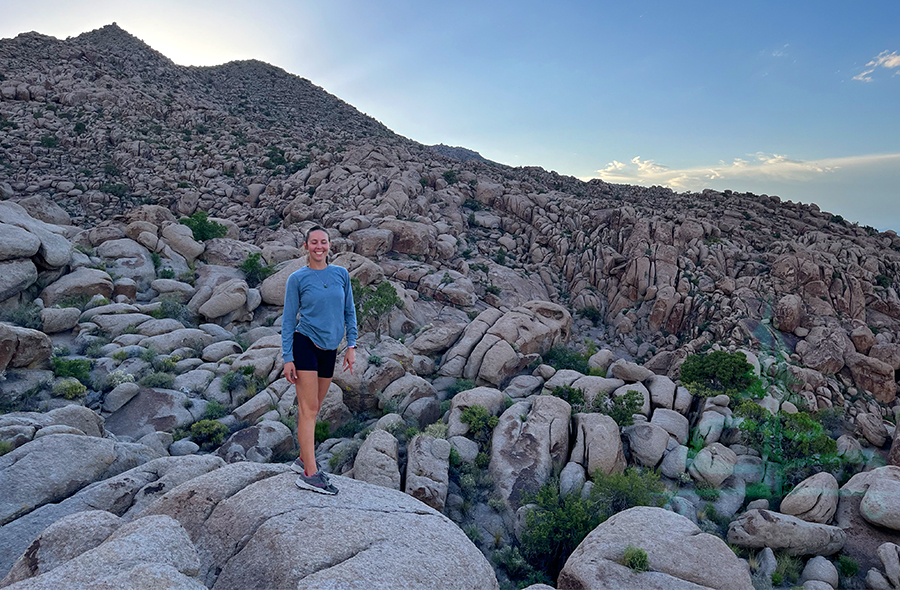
<point x="882" y="60"/>
<point x="759" y="166"/>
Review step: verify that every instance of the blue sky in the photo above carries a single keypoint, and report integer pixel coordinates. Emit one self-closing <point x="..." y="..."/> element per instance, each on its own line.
<point x="798" y="99"/>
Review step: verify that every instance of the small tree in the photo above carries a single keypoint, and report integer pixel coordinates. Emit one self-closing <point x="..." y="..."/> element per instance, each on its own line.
<point x="373" y="305"/>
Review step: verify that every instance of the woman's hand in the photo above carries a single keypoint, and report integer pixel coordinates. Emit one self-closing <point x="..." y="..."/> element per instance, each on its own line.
<point x="290" y="373"/>
<point x="349" y="359"/>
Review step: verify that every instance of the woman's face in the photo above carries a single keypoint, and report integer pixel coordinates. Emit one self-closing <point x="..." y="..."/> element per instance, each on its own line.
<point x="318" y="244"/>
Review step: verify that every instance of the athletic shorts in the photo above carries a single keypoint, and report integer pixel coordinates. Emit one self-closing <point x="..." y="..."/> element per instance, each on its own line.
<point x="309" y="357"/>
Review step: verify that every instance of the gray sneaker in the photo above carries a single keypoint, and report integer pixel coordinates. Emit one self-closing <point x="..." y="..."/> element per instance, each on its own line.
<point x="316" y="483"/>
<point x="297" y="466"/>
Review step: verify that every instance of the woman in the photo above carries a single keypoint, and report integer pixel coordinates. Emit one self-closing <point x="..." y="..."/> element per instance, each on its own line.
<point x="322" y="294"/>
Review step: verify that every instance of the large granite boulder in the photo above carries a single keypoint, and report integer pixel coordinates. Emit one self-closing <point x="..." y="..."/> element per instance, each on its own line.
<point x="83" y="281"/>
<point x="597" y="444"/>
<point x="529" y="445"/>
<point x="126" y="495"/>
<point x="815" y="499"/>
<point x="679" y="555"/>
<point x="254" y="528"/>
<point x="428" y="470"/>
<point x="53" y="467"/>
<point x="756" y="529"/>
<point x="23" y="347"/>
<point x="376" y="461"/>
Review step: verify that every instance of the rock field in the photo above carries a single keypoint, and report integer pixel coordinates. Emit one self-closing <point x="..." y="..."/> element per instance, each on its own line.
<point x="536" y="347"/>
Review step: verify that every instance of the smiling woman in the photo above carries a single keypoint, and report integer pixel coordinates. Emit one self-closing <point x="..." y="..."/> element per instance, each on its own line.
<point x="323" y="296"/>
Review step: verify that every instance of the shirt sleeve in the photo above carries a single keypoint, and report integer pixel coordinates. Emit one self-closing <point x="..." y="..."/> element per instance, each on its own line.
<point x="349" y="311"/>
<point x="289" y="319"/>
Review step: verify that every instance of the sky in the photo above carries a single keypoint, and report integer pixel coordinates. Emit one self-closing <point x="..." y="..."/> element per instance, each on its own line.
<point x="799" y="99"/>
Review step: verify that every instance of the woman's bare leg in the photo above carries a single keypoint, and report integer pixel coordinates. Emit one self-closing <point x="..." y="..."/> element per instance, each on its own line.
<point x="311" y="391"/>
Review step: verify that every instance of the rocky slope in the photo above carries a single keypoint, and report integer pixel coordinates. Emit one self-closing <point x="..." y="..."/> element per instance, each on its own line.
<point x="105" y="143"/>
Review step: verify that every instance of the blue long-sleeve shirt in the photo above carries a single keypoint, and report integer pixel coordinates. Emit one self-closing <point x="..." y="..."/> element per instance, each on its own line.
<point x="325" y="302"/>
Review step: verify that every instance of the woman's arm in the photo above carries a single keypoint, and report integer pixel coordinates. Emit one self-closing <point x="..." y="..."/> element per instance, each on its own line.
<point x="289" y="318"/>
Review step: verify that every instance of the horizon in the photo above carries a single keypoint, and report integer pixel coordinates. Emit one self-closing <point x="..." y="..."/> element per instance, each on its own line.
<point x="774" y="109"/>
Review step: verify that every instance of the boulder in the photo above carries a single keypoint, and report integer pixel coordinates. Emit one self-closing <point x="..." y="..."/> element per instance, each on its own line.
<point x="228" y="252"/>
<point x="755" y="529"/>
<point x="814" y="499"/>
<point x="186" y="337"/>
<point x="150" y="410"/>
<point x="873" y="375"/>
<point x="50" y="468"/>
<point x="628" y="372"/>
<point x="713" y="464"/>
<point x="272" y="289"/>
<point x="227" y="297"/>
<point x="529" y="445"/>
<point x="647" y="443"/>
<point x="150" y="552"/>
<point x="672" y="422"/>
<point x="679" y="555"/>
<point x="55" y="251"/>
<point x="376" y="461"/>
<point x="83" y="281"/>
<point x="372" y="242"/>
<point x="487" y="397"/>
<point x="244" y="520"/>
<point x="597" y="444"/>
<point x="56" y="319"/>
<point x="819" y="569"/>
<point x="23" y="347"/>
<point x="260" y="443"/>
<point x="427" y="470"/>
<point x="881" y="502"/>
<point x="16" y="276"/>
<point x="129" y="259"/>
<point x="409" y="237"/>
<point x="16" y="242"/>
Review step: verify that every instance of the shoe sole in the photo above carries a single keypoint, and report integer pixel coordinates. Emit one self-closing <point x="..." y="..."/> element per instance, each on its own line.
<point x="305" y="486"/>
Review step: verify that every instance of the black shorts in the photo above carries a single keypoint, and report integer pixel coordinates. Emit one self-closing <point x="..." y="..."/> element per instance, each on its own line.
<point x="309" y="357"/>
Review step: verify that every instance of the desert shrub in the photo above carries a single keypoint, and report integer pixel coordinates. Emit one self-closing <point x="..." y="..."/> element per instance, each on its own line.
<point x="706" y="491"/>
<point x="323" y="431"/>
<point x="635" y="558"/>
<point x="570" y="394"/>
<point x="49" y="141"/>
<point x="115" y="189"/>
<point x="208" y="433"/>
<point x="500" y="256"/>
<point x="69" y="388"/>
<point x="559" y="523"/>
<point x="202" y="228"/>
<point x="717" y="372"/>
<point x="460" y="385"/>
<point x="95" y="348"/>
<point x="78" y="368"/>
<point x="5" y="447"/>
<point x="254" y="270"/>
<point x="171" y="307"/>
<point x="556" y="527"/>
<point x="450" y="176"/>
<point x="622" y="408"/>
<point x="591" y="313"/>
<point x="243" y="379"/>
<point x="373" y="305"/>
<point x="561" y="357"/>
<point x="158" y="379"/>
<point x="518" y="568"/>
<point x="118" y="377"/>
<point x="620" y="491"/>
<point x="165" y="364"/>
<point x="78" y="301"/>
<point x="847" y="567"/>
<point x="166" y="273"/>
<point x="436" y="430"/>
<point x="214" y="410"/>
<point x="119" y="355"/>
<point x="79" y="128"/>
<point x="27" y="315"/>
<point x="481" y="423"/>
<point x="787" y="569"/>
<point x="375" y="360"/>
<point x="883" y="281"/>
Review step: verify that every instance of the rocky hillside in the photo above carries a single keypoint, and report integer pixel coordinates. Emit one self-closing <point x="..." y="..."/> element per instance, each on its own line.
<point x="547" y="335"/>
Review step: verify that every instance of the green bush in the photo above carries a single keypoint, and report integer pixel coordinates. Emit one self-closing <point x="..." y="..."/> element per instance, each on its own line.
<point x="622" y="408"/>
<point x="373" y="305"/>
<point x="79" y="128"/>
<point x="560" y="523"/>
<point x="171" y="307"/>
<point x="481" y="422"/>
<point x="69" y="388"/>
<point x="5" y="447"/>
<point x="27" y="315"/>
<point x="787" y="568"/>
<point x="636" y="559"/>
<point x="49" y="141"/>
<point x="574" y="396"/>
<point x="166" y="273"/>
<point x="493" y="289"/>
<point x="254" y="270"/>
<point x="450" y="176"/>
<point x="158" y="380"/>
<point x="717" y="372"/>
<point x="214" y="410"/>
<point x="561" y="357"/>
<point x="460" y="385"/>
<point x="208" y="433"/>
<point x="518" y="568"/>
<point x="591" y="313"/>
<point x="78" y="368"/>
<point x="500" y="257"/>
<point x="323" y="431"/>
<point x="78" y="301"/>
<point x="847" y="567"/>
<point x="115" y="189"/>
<point x="202" y="228"/>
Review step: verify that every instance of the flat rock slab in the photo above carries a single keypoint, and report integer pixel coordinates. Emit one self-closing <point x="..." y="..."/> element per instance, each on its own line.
<point x="254" y="528"/>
